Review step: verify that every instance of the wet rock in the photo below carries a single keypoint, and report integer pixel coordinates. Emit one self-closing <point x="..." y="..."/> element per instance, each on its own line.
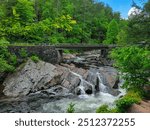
<point x="68" y="56"/>
<point x="88" y="91"/>
<point x="78" y="91"/>
<point x="34" y="101"/>
<point x="70" y="81"/>
<point x="84" y="88"/>
<point x="88" y="88"/>
<point x="69" y="66"/>
<point x="92" y="76"/>
<point x="56" y="91"/>
<point x="91" y="59"/>
<point x="113" y="92"/>
<point x="109" y="76"/>
<point x="82" y="72"/>
<point x="31" y="78"/>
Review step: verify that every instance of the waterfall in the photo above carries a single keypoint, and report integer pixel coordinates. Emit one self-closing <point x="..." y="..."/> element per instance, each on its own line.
<point x="102" y="87"/>
<point x="84" y="103"/>
<point x="83" y="84"/>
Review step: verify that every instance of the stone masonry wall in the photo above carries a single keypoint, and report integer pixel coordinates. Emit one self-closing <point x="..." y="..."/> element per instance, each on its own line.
<point x="46" y="53"/>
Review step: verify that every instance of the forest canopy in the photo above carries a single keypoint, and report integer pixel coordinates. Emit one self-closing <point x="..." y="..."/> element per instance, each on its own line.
<point x="55" y="21"/>
<point x="70" y="21"/>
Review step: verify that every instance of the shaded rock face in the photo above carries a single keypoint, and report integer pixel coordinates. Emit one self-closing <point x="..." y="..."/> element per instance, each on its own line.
<point x="1" y="90"/>
<point x="3" y="76"/>
<point x="31" y="78"/>
<point x="46" y="53"/>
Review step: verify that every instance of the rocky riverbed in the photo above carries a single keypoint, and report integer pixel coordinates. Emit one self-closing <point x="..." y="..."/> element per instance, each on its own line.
<point x="44" y="87"/>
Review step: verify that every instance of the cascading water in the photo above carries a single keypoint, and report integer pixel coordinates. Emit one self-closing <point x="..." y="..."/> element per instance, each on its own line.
<point x="82" y="85"/>
<point x="84" y="103"/>
<point x="102" y="87"/>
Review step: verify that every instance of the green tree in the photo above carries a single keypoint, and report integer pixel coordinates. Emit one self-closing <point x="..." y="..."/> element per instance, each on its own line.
<point x="122" y="37"/>
<point x="24" y="9"/>
<point x="7" y="60"/>
<point x="112" y="32"/>
<point x="45" y="21"/>
<point x="134" y="63"/>
<point x="139" y="26"/>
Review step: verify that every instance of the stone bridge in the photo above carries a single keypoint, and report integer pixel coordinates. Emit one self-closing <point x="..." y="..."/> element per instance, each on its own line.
<point x="104" y="48"/>
<point x="85" y="47"/>
<point x="54" y="54"/>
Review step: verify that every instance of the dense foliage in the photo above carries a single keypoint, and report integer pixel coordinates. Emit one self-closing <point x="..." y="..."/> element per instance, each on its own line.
<point x="134" y="63"/>
<point x="7" y="60"/>
<point x="51" y="21"/>
<point x="105" y="109"/>
<point x="70" y="21"/>
<point x="112" y="32"/>
<point x="122" y="105"/>
<point x="35" y="58"/>
<point x="139" y="26"/>
<point x="125" y="102"/>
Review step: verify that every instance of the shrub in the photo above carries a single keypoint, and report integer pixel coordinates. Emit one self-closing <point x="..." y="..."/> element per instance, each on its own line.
<point x="35" y="59"/>
<point x="66" y="51"/>
<point x="7" y="60"/>
<point x="71" y="108"/>
<point x="105" y="109"/>
<point x="23" y="53"/>
<point x="5" y="67"/>
<point x="125" y="102"/>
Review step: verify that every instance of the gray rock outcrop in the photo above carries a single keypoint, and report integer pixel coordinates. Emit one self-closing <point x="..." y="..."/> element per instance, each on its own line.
<point x="31" y="77"/>
<point x="109" y="76"/>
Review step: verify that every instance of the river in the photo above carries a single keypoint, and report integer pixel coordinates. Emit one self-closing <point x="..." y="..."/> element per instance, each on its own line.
<point x="99" y="86"/>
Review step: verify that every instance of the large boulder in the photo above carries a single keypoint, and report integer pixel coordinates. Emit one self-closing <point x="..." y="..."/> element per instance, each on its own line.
<point x="105" y="79"/>
<point x="109" y="76"/>
<point x="70" y="80"/>
<point x="31" y="77"/>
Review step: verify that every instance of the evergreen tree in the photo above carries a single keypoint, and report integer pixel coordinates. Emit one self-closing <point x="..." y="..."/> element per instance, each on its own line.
<point x="139" y="26"/>
<point x="112" y="32"/>
<point x="25" y="11"/>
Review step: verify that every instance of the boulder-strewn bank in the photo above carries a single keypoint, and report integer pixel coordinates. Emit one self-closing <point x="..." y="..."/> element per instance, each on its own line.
<point x="33" y="84"/>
